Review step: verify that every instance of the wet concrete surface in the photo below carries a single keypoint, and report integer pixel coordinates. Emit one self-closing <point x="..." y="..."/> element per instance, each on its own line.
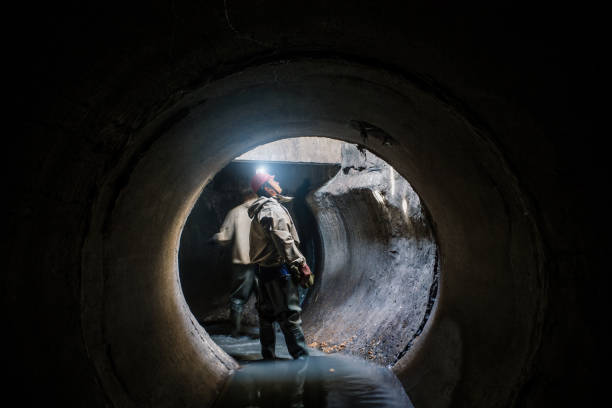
<point x="322" y="380"/>
<point x="318" y="381"/>
<point x="246" y="347"/>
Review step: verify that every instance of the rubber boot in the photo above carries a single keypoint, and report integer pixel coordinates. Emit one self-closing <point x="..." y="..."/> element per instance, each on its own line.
<point x="294" y="338"/>
<point x="267" y="339"/>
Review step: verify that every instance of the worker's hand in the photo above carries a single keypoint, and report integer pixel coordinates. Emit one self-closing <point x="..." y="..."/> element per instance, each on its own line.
<point x="306" y="277"/>
<point x="211" y="241"/>
<point x="295" y="270"/>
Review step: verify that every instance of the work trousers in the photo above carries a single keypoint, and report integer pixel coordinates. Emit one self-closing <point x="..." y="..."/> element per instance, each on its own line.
<point x="278" y="301"/>
<point x="243" y="285"/>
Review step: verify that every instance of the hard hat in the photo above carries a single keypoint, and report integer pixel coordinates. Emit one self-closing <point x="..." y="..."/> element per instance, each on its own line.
<point x="259" y="179"/>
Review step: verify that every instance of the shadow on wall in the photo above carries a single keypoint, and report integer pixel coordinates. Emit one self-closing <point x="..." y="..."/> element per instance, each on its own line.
<point x="205" y="269"/>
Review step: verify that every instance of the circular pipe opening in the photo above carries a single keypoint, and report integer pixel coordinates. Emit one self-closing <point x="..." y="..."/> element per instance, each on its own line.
<point x="145" y="343"/>
<point x="362" y="229"/>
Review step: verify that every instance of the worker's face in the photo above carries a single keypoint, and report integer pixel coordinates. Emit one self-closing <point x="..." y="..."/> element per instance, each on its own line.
<point x="274" y="184"/>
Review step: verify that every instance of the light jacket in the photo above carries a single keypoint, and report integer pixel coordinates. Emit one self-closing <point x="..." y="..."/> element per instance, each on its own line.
<point x="273" y="237"/>
<point x="236" y="227"/>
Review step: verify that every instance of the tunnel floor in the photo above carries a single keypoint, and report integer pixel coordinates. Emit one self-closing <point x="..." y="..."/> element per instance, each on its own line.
<point x="246" y="347"/>
<point x="322" y="380"/>
<point x="319" y="381"/>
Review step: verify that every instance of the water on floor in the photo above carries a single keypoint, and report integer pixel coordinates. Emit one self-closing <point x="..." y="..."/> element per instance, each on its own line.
<point x="246" y="346"/>
<point x="320" y="381"/>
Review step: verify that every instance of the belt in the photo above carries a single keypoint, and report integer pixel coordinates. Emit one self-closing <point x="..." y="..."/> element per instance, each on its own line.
<point x="268" y="273"/>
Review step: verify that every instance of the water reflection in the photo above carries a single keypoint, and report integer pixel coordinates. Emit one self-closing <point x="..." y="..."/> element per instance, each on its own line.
<point x="319" y="381"/>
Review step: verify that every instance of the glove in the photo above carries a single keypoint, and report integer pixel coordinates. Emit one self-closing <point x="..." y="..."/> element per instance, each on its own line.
<point x="304" y="275"/>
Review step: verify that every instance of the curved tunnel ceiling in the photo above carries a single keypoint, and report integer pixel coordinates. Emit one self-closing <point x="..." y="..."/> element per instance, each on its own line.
<point x="479" y="344"/>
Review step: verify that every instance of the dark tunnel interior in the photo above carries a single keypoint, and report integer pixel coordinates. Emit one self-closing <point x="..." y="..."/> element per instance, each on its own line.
<point x="127" y="114"/>
<point x="364" y="233"/>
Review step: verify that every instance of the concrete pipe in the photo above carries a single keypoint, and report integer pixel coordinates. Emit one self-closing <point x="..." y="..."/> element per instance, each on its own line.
<point x="125" y="112"/>
<point x="479" y="344"/>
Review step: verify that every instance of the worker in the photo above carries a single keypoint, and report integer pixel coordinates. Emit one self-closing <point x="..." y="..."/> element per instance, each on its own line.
<point x="280" y="268"/>
<point x="235" y="229"/>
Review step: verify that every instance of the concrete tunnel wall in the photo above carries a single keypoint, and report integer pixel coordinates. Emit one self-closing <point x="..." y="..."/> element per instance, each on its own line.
<point x="378" y="270"/>
<point x="138" y="255"/>
<point x="130" y="276"/>
<point x="126" y="113"/>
